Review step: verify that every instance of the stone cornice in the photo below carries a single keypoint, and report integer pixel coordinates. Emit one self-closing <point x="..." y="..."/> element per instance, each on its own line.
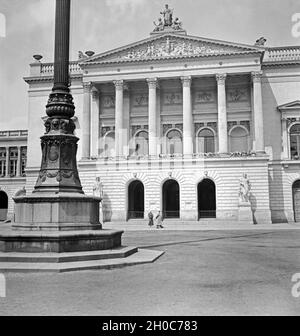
<point x="48" y="79"/>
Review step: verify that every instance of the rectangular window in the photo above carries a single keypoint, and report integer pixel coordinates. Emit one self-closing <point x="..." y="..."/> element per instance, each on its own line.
<point x="23" y="160"/>
<point x="2" y="162"/>
<point x="13" y="159"/>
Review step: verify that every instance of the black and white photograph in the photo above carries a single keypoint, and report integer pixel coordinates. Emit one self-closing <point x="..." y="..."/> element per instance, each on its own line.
<point x="149" y="160"/>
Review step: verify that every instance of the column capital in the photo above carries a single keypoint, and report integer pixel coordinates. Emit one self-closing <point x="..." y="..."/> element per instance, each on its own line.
<point x="87" y="86"/>
<point x="152" y="83"/>
<point x="186" y="81"/>
<point x="119" y="84"/>
<point x="95" y="93"/>
<point x="221" y="78"/>
<point x="256" y="76"/>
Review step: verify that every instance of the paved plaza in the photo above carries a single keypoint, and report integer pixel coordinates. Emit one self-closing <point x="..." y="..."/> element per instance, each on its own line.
<point x="217" y="272"/>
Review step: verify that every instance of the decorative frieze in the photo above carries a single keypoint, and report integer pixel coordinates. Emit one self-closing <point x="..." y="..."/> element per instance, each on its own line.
<point x="140" y="100"/>
<point x="109" y="101"/>
<point x="175" y="47"/>
<point x="172" y="98"/>
<point x="237" y="95"/>
<point x="202" y="97"/>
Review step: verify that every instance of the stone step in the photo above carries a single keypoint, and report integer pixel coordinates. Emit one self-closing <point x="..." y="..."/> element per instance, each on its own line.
<point x="18" y="257"/>
<point x="142" y="256"/>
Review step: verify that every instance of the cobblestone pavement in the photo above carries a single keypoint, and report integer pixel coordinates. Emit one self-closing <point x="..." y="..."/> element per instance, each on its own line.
<point x="201" y="273"/>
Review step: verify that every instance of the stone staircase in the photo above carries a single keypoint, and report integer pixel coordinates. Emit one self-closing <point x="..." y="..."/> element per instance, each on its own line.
<point x="76" y="261"/>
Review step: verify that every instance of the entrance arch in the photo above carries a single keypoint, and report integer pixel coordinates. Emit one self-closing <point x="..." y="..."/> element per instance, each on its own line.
<point x="171" y="199"/>
<point x="296" y="200"/>
<point x="206" y="199"/>
<point x="136" y="196"/>
<point x="3" y="205"/>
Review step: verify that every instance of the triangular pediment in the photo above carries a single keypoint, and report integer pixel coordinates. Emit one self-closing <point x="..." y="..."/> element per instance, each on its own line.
<point x="170" y="46"/>
<point x="295" y="105"/>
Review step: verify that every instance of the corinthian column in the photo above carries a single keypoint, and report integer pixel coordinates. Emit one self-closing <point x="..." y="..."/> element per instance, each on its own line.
<point x="152" y="115"/>
<point x="119" y="86"/>
<point x="18" y="172"/>
<point x="95" y="122"/>
<point x="222" y="114"/>
<point x="187" y="116"/>
<point x="258" y="112"/>
<point x="86" y="121"/>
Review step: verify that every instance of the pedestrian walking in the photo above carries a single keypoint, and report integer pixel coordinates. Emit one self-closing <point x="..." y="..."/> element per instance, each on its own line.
<point x="150" y="216"/>
<point x="158" y="219"/>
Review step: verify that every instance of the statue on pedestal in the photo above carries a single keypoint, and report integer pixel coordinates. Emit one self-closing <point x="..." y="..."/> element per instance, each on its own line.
<point x="158" y="26"/>
<point x="98" y="192"/>
<point x="168" y="16"/>
<point x="245" y="188"/>
<point x="177" y="25"/>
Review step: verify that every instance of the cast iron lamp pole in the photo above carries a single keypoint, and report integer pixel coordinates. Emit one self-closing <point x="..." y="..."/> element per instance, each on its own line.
<point x="58" y="171"/>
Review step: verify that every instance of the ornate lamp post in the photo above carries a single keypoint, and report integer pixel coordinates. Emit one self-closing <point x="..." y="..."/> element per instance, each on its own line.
<point x="58" y="171"/>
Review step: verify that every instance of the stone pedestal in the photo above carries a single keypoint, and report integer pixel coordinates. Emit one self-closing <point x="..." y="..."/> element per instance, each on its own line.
<point x="60" y="212"/>
<point x="245" y="212"/>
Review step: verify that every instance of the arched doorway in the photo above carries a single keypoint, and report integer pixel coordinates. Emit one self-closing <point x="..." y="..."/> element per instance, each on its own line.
<point x="206" y="199"/>
<point x="135" y="200"/>
<point x="3" y="205"/>
<point x="171" y="199"/>
<point x="296" y="200"/>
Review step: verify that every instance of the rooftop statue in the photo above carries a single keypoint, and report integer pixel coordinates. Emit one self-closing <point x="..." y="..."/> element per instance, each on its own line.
<point x="166" y="22"/>
<point x="158" y="26"/>
<point x="261" y="41"/>
<point x="168" y="16"/>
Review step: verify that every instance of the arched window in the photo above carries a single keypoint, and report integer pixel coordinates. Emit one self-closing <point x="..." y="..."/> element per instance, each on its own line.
<point x="174" y="142"/>
<point x="141" y="143"/>
<point x="295" y="141"/>
<point x="206" y="141"/>
<point x="239" y="139"/>
<point x="109" y="144"/>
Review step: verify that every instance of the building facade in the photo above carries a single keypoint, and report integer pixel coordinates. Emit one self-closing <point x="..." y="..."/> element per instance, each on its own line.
<point x="13" y="157"/>
<point x="174" y="121"/>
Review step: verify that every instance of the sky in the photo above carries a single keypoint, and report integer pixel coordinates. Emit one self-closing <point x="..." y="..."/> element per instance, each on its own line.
<point x="27" y="28"/>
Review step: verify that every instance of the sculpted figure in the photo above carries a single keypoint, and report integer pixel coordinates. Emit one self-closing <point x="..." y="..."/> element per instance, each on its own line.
<point x="261" y="41"/>
<point x="98" y="192"/>
<point x="98" y="188"/>
<point x="158" y="26"/>
<point x="168" y="16"/>
<point x="177" y="25"/>
<point x="245" y="187"/>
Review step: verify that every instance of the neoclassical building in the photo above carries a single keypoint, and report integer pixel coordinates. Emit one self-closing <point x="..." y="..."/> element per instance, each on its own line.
<point x="172" y="123"/>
